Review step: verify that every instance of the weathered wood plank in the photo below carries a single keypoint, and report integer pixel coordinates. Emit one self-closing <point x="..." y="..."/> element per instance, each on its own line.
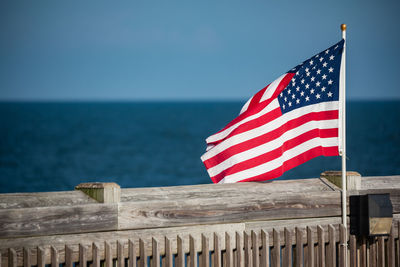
<point x="244" y="208"/>
<point x="46" y="199"/>
<point x="58" y="220"/>
<point x="210" y="191"/>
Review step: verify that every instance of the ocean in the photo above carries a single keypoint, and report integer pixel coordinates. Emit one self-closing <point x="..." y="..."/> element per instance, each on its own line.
<point x="55" y="146"/>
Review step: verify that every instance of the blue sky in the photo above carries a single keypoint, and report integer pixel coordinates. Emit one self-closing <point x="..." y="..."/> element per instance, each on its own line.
<point x="188" y="50"/>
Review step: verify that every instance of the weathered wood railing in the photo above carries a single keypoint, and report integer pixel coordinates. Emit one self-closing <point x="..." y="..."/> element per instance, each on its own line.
<point x="281" y="223"/>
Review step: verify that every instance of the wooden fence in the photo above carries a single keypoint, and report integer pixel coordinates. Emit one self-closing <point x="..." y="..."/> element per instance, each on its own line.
<point x="283" y="223"/>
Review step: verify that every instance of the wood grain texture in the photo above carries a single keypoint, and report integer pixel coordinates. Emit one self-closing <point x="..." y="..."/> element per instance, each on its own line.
<point x="58" y="220"/>
<point x="245" y="207"/>
<point x="47" y="199"/>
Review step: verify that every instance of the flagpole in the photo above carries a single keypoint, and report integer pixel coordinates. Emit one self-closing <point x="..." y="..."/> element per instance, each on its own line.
<point x="343" y="129"/>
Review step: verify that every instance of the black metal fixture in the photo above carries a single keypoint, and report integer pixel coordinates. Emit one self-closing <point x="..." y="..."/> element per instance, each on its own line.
<point x="371" y="215"/>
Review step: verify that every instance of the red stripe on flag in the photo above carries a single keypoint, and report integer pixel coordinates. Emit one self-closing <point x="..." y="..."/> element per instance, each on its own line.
<point x="257" y="108"/>
<point x="294" y="162"/>
<point x="276" y="153"/>
<point x="267" y="137"/>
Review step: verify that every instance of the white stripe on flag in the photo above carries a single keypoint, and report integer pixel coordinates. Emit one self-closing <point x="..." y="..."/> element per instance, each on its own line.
<point x="287" y="155"/>
<point x="267" y="94"/>
<point x="219" y="136"/>
<point x="271" y="88"/>
<point x="266" y="128"/>
<point x="269" y="146"/>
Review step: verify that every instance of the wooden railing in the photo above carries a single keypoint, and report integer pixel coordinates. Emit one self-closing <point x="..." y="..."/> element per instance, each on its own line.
<point x="282" y="223"/>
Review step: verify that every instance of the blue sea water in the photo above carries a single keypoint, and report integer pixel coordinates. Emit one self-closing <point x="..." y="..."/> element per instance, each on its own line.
<point x="55" y="146"/>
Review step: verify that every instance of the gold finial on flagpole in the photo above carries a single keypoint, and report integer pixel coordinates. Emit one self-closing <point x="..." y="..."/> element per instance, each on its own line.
<point x="343" y="27"/>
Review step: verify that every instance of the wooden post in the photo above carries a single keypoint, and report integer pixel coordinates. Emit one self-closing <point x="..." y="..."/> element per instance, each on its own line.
<point x="102" y="192"/>
<point x="335" y="177"/>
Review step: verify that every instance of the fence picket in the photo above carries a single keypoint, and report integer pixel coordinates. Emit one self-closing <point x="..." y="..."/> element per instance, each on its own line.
<point x="381" y="251"/>
<point x="12" y="258"/>
<point x="41" y="253"/>
<point x="255" y="247"/>
<point x="353" y="251"/>
<point x="247" y="249"/>
<point x="155" y="259"/>
<point x="391" y="255"/>
<point x="27" y="257"/>
<point x="217" y="251"/>
<point x="309" y="259"/>
<point x="168" y="253"/>
<point x="68" y="257"/>
<point x="132" y="254"/>
<point x="331" y="255"/>
<point x="276" y="252"/>
<point x="180" y="258"/>
<point x="299" y="247"/>
<point x="321" y="246"/>
<point x="82" y="256"/>
<point x="193" y="253"/>
<point x="54" y="257"/>
<point x="96" y="255"/>
<point x="265" y="249"/>
<point x="228" y="248"/>
<point x="372" y="252"/>
<point x="287" y="254"/>
<point x="205" y="251"/>
<point x="363" y="252"/>
<point x="342" y="245"/>
<point x="142" y="253"/>
<point x="239" y="251"/>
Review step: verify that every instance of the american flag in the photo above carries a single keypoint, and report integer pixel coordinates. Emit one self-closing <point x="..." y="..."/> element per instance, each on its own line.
<point x="290" y="121"/>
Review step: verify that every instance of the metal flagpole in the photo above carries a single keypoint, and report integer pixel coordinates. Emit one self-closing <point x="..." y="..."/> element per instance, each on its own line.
<point x="343" y="133"/>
